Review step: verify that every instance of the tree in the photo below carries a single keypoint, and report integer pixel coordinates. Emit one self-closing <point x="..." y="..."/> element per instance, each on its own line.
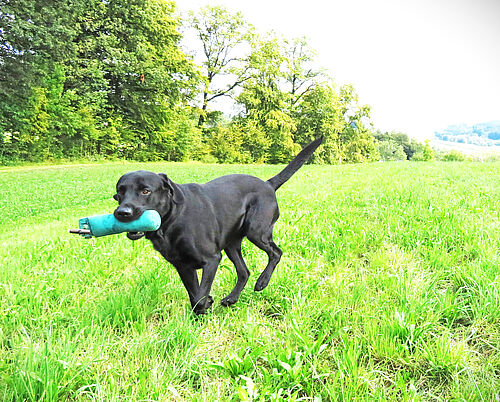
<point x="223" y="36"/>
<point x="428" y="153"/>
<point x="91" y="77"/>
<point x="454" y="156"/>
<point x="266" y="106"/>
<point x="95" y="78"/>
<point x="335" y="114"/>
<point x="409" y="146"/>
<point x="391" y="151"/>
<point x="130" y="51"/>
<point x="34" y="36"/>
<point x="320" y="113"/>
<point x="425" y="154"/>
<point x="301" y="76"/>
<point x="290" y="106"/>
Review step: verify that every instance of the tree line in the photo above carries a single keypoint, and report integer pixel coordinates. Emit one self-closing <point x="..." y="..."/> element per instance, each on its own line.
<point x="95" y="79"/>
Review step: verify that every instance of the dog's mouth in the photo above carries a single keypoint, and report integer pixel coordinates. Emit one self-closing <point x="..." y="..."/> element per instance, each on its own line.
<point x="135" y="235"/>
<point x="127" y="215"/>
<point x="126" y="218"/>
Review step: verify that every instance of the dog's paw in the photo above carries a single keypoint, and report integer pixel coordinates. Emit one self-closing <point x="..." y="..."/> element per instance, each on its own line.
<point x="228" y="301"/>
<point x="261" y="283"/>
<point x="203" y="305"/>
<point x="198" y="310"/>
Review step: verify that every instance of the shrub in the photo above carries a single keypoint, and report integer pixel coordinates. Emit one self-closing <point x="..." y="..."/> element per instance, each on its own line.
<point x="454" y="155"/>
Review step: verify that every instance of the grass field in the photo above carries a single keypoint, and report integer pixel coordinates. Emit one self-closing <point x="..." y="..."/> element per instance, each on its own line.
<point x="388" y="289"/>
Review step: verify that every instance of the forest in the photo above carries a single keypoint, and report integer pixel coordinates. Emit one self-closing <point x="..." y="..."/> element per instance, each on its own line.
<point x="96" y="80"/>
<point x="483" y="134"/>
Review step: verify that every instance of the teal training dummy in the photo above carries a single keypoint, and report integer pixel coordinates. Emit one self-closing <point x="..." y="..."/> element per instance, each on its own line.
<point x="103" y="225"/>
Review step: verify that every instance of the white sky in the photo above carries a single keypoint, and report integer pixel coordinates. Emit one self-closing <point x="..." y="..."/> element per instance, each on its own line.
<point x="420" y="64"/>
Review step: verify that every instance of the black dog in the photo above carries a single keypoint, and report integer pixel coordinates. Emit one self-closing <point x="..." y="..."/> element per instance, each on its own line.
<point x="201" y="220"/>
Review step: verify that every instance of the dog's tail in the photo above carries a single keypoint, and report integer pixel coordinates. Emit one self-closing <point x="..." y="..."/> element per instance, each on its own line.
<point x="295" y="164"/>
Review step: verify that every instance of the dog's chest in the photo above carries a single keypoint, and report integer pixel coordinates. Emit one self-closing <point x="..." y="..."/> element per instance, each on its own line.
<point x="177" y="250"/>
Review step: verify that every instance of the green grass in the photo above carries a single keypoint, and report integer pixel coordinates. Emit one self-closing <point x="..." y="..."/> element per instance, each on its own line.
<point x="388" y="289"/>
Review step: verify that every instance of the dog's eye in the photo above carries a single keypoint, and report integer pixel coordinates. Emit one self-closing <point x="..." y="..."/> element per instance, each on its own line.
<point x="146" y="191"/>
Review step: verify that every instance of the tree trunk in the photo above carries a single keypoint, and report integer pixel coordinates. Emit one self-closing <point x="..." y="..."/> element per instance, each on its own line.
<point x="203" y="114"/>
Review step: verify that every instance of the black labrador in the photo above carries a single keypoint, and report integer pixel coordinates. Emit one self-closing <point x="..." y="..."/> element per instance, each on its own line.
<point x="201" y="220"/>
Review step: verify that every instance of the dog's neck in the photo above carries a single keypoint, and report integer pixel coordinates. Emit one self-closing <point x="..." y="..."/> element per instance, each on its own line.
<point x="170" y="211"/>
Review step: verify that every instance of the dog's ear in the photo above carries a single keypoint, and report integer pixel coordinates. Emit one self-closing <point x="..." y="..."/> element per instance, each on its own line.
<point x="172" y="188"/>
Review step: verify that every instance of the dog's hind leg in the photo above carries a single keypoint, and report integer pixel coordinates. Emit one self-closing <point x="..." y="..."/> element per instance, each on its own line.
<point x="264" y="241"/>
<point x="234" y="254"/>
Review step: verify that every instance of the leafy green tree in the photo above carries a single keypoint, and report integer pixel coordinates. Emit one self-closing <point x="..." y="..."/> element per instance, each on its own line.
<point x="358" y="145"/>
<point x="301" y="75"/>
<point x="337" y="115"/>
<point x="391" y="151"/>
<point x="145" y="75"/>
<point x="320" y="113"/>
<point x="425" y="154"/>
<point x="101" y="78"/>
<point x="453" y="156"/>
<point x="93" y="77"/>
<point x="428" y="153"/>
<point x="34" y="36"/>
<point x="410" y="146"/>
<point x="223" y="36"/>
<point x="37" y="124"/>
<point x="265" y="105"/>
<point x="227" y="144"/>
<point x="356" y="139"/>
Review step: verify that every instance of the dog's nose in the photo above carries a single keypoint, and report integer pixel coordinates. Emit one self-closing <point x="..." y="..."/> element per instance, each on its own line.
<point x="123" y="212"/>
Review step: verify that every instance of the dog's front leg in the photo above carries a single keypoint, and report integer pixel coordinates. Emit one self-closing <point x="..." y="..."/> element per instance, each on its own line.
<point x="203" y="300"/>
<point x="190" y="281"/>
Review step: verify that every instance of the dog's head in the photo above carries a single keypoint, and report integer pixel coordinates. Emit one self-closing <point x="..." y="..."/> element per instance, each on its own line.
<point x="139" y="191"/>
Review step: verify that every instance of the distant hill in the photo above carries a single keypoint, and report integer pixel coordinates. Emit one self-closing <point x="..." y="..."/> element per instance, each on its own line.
<point x="482" y="134"/>
<point x="476" y="151"/>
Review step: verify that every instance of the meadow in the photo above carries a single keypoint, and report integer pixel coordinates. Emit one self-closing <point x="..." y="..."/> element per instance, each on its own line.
<point x="388" y="289"/>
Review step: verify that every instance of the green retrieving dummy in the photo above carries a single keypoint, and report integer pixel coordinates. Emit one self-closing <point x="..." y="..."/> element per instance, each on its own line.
<point x="103" y="225"/>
